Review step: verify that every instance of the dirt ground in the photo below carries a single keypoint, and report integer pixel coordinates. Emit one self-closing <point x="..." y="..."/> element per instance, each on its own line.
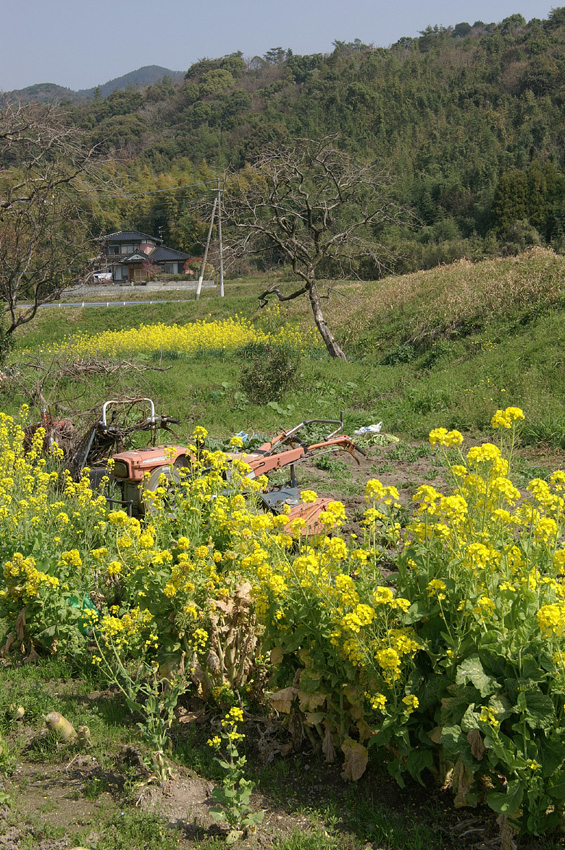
<point x="405" y="466"/>
<point x="54" y="798"/>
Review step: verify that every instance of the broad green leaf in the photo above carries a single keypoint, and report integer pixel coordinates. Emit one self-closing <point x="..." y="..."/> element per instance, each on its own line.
<point x="417" y="610"/>
<point x="540" y="711"/>
<point x="470" y="719"/>
<point x="417" y="761"/>
<point x="552" y="755"/>
<point x="471" y="670"/>
<point x="430" y="691"/>
<point x="454" y="706"/>
<point x="509" y="803"/>
<point x="452" y="739"/>
<point x="556" y="787"/>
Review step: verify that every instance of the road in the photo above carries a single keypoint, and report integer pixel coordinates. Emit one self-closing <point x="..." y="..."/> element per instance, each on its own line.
<point x="106" y="303"/>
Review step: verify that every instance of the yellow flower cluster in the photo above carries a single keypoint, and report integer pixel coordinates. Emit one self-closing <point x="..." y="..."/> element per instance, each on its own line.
<point x="443" y="437"/>
<point x="227" y="334"/>
<point x="551" y="619"/>
<point x="23" y="580"/>
<point x="506" y="418"/>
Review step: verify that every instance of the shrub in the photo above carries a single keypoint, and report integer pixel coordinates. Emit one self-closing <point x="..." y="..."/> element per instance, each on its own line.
<point x="270" y="372"/>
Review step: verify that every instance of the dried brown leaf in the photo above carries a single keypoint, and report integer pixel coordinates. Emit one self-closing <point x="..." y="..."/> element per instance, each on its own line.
<point x="356" y="758"/>
<point x="190" y="717"/>
<point x="282" y="700"/>
<point x="277" y="655"/>
<point x="507" y="833"/>
<point x="462" y="782"/>
<point x="478" y="748"/>
<point x="8" y="645"/>
<point x="365" y="730"/>
<point x="33" y="657"/>
<point x="328" y="747"/>
<point x="243" y="593"/>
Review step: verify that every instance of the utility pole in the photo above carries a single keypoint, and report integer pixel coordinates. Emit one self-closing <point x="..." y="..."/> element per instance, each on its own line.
<point x="199" y="287"/>
<point x="220" y="240"/>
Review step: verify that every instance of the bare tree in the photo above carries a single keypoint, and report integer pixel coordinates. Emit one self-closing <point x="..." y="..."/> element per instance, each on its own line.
<point x="313" y="206"/>
<point x="45" y="173"/>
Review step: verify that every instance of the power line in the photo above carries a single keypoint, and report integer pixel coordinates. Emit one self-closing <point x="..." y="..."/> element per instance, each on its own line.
<point x="150" y="191"/>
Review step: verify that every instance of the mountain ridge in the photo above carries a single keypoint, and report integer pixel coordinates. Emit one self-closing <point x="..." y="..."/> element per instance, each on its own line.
<point x="147" y="75"/>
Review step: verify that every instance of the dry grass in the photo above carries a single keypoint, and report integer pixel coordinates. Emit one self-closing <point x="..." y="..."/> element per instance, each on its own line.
<point x="419" y="307"/>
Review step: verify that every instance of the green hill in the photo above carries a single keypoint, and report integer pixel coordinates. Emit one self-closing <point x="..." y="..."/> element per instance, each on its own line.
<point x="467" y="119"/>
<point x="52" y="93"/>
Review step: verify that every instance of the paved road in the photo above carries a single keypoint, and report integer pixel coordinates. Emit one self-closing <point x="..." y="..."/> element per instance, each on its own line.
<point x="107" y="303"/>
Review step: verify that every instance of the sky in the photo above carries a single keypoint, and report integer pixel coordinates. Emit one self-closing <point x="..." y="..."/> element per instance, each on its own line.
<point x="81" y="44"/>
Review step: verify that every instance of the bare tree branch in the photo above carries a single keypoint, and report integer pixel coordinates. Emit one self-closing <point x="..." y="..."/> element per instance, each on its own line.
<point x="274" y="290"/>
<point x="314" y="207"/>
<point x="45" y="172"/>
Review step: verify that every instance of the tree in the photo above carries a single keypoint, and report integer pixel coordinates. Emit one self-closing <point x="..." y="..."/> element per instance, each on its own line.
<point x="314" y="207"/>
<point x="44" y="171"/>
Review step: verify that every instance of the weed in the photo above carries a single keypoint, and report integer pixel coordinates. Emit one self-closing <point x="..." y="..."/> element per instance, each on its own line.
<point x="137" y="829"/>
<point x="409" y="454"/>
<point x="549" y="428"/>
<point x="271" y="372"/>
<point x="402" y="353"/>
<point x="317" y="839"/>
<point x="234" y="795"/>
<point x="43" y="747"/>
<point x="381" y="468"/>
<point x="331" y="465"/>
<point x="158" y="701"/>
<point x="93" y="788"/>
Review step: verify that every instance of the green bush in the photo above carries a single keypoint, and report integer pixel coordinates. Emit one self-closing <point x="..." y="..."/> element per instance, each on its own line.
<point x="269" y="373"/>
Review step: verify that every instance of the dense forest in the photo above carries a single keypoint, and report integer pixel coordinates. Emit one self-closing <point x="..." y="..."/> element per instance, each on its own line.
<point x="467" y="120"/>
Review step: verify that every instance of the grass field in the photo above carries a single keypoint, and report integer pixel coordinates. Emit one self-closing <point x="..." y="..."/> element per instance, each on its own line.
<point x="444" y="347"/>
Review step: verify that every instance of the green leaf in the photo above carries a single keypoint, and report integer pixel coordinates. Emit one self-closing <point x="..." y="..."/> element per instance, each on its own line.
<point x="417" y="610"/>
<point x="430" y="691"/>
<point x="471" y="670"/>
<point x="493" y="661"/>
<point x="552" y="755"/>
<point x="470" y="719"/>
<point x="540" y="711"/>
<point x="394" y="767"/>
<point x="254" y="818"/>
<point x="417" y="761"/>
<point x="245" y="797"/>
<point x="452" y="739"/>
<point x="556" y="787"/>
<point x="509" y="803"/>
<point x="453" y="707"/>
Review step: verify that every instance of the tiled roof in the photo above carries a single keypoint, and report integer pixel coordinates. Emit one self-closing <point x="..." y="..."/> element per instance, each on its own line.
<point x="162" y="254"/>
<point x="128" y="236"/>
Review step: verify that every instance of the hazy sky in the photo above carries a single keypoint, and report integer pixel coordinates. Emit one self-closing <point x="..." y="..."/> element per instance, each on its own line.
<point x="79" y="45"/>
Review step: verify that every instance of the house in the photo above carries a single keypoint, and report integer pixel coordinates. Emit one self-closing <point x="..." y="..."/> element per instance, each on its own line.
<point x="133" y="256"/>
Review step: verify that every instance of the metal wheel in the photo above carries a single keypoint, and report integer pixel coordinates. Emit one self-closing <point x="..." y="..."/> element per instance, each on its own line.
<point x="172" y="477"/>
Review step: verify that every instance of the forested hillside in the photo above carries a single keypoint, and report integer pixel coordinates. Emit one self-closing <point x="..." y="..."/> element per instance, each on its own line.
<point x="468" y="121"/>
